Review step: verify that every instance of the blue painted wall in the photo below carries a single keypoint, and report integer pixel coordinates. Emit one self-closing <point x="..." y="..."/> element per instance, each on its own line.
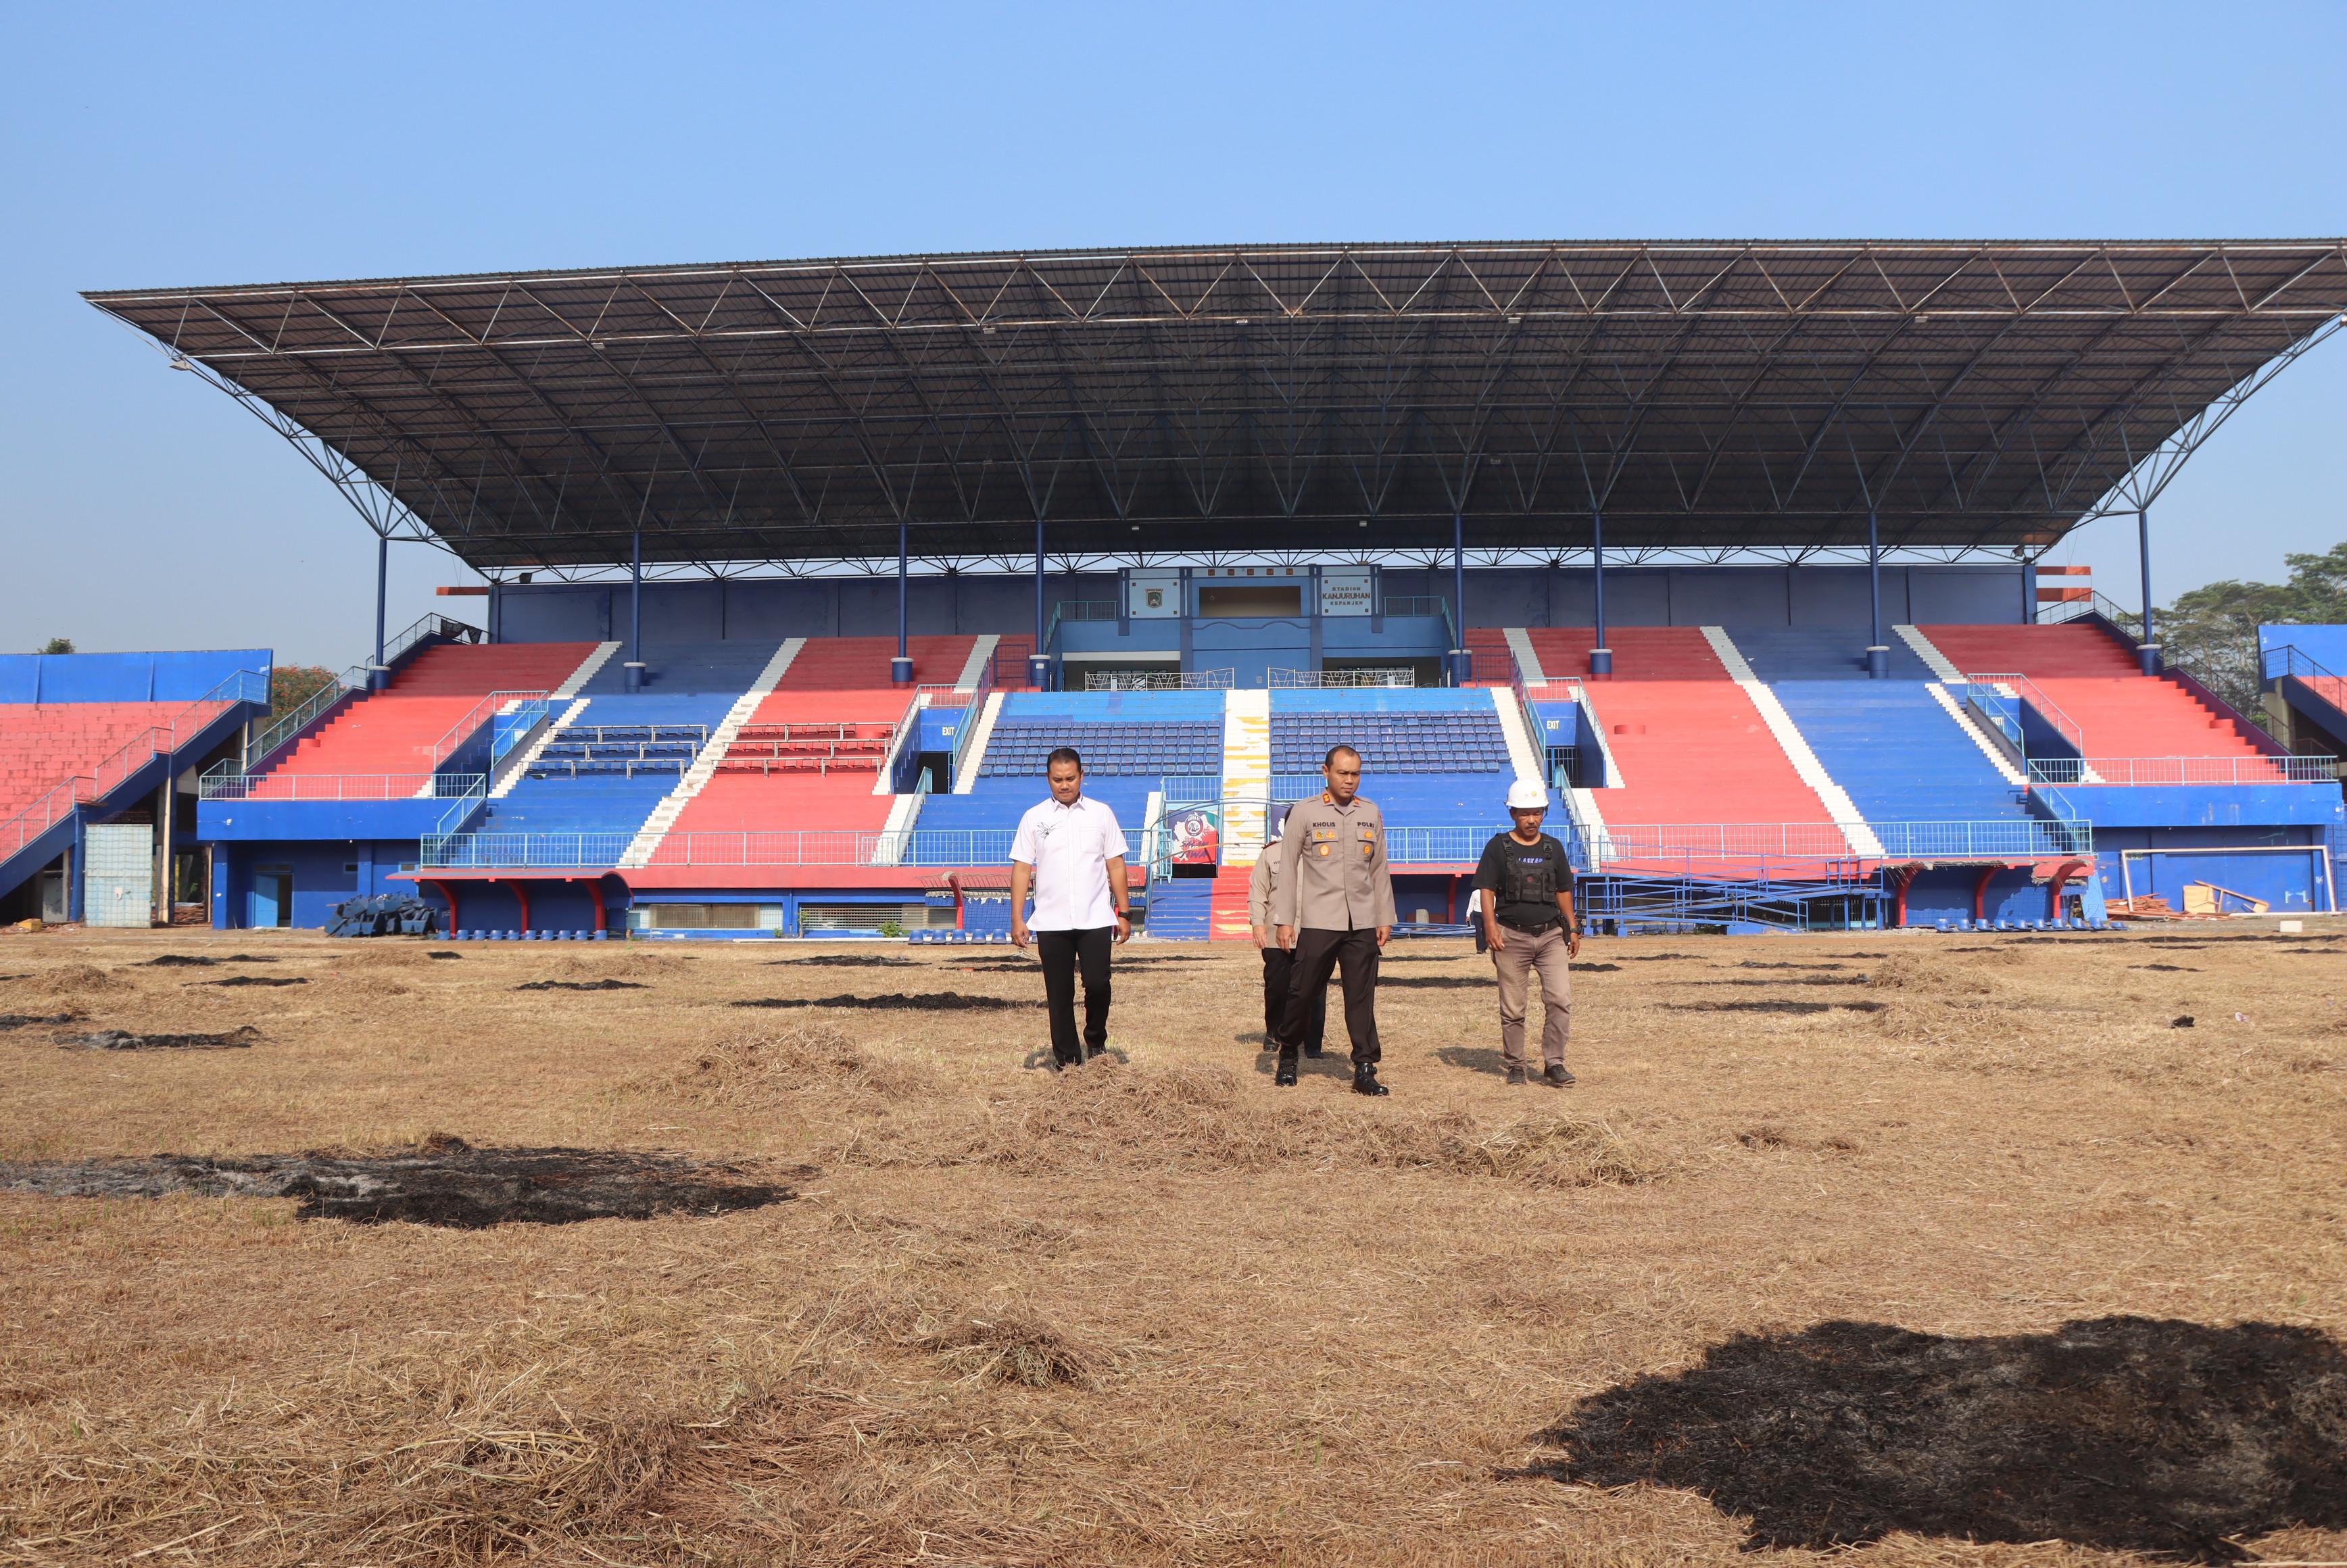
<point x="122" y="677"/>
<point x="2211" y="806"/>
<point x="773" y="609"/>
<point x="2326" y="645"/>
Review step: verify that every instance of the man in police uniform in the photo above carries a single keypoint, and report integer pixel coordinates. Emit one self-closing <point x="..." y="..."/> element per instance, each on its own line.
<point x="1335" y="905"/>
<point x="1278" y="963"/>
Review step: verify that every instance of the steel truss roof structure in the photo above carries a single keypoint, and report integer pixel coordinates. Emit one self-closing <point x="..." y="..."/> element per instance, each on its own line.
<point x="1299" y="401"/>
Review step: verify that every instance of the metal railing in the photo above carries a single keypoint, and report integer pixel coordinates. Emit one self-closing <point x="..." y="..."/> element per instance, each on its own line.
<point x="431" y="626"/>
<point x="1087" y="609"/>
<point x="333" y="786"/>
<point x="2141" y="772"/>
<point x="2273" y="664"/>
<point x="2094" y="603"/>
<point x="1159" y="679"/>
<point x="784" y="847"/>
<point x="468" y="803"/>
<point x="1990" y="693"/>
<point x="1309" y="680"/>
<point x="974" y="703"/>
<point x="1683" y="845"/>
<point x="281" y="732"/>
<point x="110" y="773"/>
<point x="1409" y="604"/>
<point x="515" y="715"/>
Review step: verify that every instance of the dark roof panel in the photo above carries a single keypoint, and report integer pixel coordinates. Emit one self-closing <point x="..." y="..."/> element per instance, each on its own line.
<point x="1705" y="394"/>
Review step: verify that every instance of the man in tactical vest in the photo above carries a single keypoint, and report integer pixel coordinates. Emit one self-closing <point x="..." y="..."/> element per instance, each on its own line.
<point x="1525" y="885"/>
<point x="1335" y="905"/>
<point x="1278" y="963"/>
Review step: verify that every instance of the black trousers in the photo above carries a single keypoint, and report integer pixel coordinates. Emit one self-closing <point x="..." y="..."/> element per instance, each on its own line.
<point x="1278" y="966"/>
<point x="1064" y="952"/>
<point x="1318" y="953"/>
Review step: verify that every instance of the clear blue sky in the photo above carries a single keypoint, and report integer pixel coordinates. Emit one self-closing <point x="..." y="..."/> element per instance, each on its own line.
<point x="154" y="145"/>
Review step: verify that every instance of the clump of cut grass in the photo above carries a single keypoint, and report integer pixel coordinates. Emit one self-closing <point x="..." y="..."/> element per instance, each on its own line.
<point x="1207" y="1120"/>
<point x="1554" y="1152"/>
<point x="1013" y="1346"/>
<point x="70" y="979"/>
<point x="766" y="1067"/>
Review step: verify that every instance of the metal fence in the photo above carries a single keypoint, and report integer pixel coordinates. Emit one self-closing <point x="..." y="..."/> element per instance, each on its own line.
<point x="781" y="848"/>
<point x="1997" y="697"/>
<point x="2287" y="660"/>
<point x="334" y="786"/>
<point x="1413" y="604"/>
<point x="2140" y="772"/>
<point x="1305" y="680"/>
<point x="1159" y="679"/>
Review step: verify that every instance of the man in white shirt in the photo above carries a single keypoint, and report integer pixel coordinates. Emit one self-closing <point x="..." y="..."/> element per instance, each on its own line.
<point x="1072" y="851"/>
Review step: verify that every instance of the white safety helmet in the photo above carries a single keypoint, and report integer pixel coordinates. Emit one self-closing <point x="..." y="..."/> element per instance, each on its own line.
<point x="1527" y="795"/>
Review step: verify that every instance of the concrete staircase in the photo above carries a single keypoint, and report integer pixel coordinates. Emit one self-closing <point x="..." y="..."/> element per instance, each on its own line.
<point x="973" y="760"/>
<point x="696" y="778"/>
<point x="1838" y="807"/>
<point x="1246" y="773"/>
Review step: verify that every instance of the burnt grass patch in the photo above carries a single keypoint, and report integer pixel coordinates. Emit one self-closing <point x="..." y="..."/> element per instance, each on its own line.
<point x="843" y="961"/>
<point x="1775" y="1004"/>
<point x="259" y="980"/>
<point x="13" y="1020"/>
<point x="237" y="1038"/>
<point x="204" y="961"/>
<point x="605" y="984"/>
<point x="2128" y="1433"/>
<point x="897" y="1001"/>
<point x="444" y="1182"/>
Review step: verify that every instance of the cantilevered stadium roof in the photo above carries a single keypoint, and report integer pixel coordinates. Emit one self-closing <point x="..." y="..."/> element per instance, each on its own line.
<point x="1702" y="395"/>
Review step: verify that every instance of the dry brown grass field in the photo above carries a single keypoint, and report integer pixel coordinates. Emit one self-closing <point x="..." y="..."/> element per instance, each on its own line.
<point x="1149" y="1312"/>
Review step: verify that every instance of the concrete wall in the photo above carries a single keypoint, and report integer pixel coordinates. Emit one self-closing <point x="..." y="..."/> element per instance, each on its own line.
<point x="123" y="677"/>
<point x="770" y="609"/>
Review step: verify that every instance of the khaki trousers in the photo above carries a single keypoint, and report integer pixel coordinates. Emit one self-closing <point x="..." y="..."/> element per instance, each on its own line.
<point x="1515" y="962"/>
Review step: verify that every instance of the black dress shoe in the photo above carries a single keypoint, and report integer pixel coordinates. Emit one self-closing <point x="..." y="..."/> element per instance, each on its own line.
<point x="1285" y="1077"/>
<point x="1364" y="1080"/>
<point x="1558" y="1077"/>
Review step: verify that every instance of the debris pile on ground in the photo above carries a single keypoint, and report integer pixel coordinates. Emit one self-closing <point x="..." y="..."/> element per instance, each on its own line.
<point x="844" y="962"/>
<point x="1774" y="1005"/>
<point x="2128" y="1433"/>
<point x="606" y="984"/>
<point x="760" y="1068"/>
<point x="897" y="1001"/>
<point x="384" y="915"/>
<point x="71" y="979"/>
<point x="442" y="1182"/>
<point x="237" y="1038"/>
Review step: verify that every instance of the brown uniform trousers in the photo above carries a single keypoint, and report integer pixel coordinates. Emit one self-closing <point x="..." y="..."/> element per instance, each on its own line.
<point x="1525" y="952"/>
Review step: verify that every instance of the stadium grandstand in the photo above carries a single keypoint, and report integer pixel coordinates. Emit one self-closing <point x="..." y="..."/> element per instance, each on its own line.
<point x="792" y="574"/>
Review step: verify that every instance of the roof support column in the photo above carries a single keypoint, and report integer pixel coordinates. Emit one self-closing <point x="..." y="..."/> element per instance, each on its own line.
<point x="1601" y="657"/>
<point x="1877" y="656"/>
<point x="632" y="675"/>
<point x="900" y="669"/>
<point x="378" y="677"/>
<point x="1461" y="662"/>
<point x="2148" y="654"/>
<point x="1039" y="663"/>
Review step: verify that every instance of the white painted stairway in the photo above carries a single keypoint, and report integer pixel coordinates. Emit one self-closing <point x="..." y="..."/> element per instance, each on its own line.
<point x="1247" y="775"/>
<point x="510" y="772"/>
<point x="696" y="778"/>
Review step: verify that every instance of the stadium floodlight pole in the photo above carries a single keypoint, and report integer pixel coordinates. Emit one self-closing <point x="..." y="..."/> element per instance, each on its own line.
<point x="1601" y="657"/>
<point x="634" y="675"/>
<point x="379" y="677"/>
<point x="900" y="669"/>
<point x="2148" y="651"/>
<point x="1878" y="655"/>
